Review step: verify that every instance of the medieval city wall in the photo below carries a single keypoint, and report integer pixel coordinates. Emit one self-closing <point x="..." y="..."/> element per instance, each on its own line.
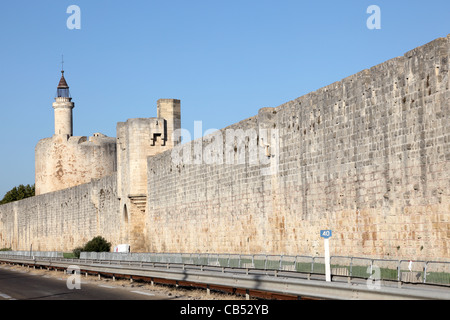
<point x="62" y="220"/>
<point x="367" y="157"/>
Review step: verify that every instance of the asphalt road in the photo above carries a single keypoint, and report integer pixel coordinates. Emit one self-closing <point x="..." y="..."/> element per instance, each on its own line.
<point x="27" y="285"/>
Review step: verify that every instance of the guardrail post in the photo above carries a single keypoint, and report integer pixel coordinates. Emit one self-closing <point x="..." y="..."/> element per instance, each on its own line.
<point x="371" y="267"/>
<point x="351" y="266"/>
<point x="265" y="263"/>
<point x="425" y="272"/>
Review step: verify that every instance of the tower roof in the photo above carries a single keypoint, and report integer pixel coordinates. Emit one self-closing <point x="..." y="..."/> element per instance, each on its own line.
<point x="62" y="83"/>
<point x="63" y="89"/>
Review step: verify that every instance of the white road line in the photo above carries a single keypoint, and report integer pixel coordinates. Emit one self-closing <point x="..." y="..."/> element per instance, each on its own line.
<point x="144" y="293"/>
<point x="105" y="286"/>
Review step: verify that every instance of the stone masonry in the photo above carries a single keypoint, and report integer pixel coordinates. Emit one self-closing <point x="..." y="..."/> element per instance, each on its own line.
<point x="367" y="157"/>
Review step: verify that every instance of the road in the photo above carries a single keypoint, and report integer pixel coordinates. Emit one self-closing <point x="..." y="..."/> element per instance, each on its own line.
<point x="23" y="284"/>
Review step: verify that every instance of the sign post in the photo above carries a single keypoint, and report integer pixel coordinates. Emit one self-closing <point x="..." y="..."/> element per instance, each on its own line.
<point x="326" y="235"/>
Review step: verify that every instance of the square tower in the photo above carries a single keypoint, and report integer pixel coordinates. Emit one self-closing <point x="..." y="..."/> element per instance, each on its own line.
<point x="170" y="111"/>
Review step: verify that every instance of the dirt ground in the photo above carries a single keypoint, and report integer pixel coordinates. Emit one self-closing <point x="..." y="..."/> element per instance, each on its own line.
<point x="179" y="293"/>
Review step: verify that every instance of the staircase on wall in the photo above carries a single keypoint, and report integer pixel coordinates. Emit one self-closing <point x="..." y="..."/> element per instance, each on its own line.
<point x="139" y="200"/>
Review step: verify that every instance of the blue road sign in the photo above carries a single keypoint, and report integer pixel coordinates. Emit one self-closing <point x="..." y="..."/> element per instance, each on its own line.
<point x="325" y="234"/>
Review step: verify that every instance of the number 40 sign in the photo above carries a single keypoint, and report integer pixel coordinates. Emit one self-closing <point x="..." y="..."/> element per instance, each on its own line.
<point x="325" y="234"/>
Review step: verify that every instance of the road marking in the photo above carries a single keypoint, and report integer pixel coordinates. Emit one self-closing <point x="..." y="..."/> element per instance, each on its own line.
<point x="105" y="286"/>
<point x="144" y="293"/>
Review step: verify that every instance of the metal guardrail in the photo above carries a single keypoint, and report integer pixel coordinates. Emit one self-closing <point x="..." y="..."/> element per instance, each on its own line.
<point x="44" y="254"/>
<point x="252" y="280"/>
<point x="427" y="272"/>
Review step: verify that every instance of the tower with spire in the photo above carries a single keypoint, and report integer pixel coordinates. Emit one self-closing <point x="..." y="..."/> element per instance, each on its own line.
<point x="64" y="161"/>
<point x="63" y="106"/>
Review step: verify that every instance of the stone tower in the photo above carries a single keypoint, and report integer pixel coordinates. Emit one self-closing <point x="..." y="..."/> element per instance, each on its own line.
<point x="63" y="106"/>
<point x="63" y="160"/>
<point x="137" y="140"/>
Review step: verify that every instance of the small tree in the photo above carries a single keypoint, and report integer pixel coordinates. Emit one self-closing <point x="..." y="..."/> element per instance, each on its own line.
<point x="97" y="244"/>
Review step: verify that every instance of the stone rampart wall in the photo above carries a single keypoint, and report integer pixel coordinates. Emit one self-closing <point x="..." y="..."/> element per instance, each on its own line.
<point x="62" y="220"/>
<point x="367" y="157"/>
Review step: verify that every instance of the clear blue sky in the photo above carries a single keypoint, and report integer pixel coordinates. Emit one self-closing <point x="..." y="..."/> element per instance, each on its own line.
<point x="223" y="59"/>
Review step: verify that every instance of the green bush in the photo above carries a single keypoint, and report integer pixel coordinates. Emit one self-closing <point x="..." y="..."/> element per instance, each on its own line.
<point x="97" y="244"/>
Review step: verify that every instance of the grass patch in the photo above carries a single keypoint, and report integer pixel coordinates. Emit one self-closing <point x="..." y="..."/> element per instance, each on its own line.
<point x="69" y="255"/>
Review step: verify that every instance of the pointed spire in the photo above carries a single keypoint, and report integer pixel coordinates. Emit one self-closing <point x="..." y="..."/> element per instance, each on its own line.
<point x="63" y="88"/>
<point x="62" y="83"/>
